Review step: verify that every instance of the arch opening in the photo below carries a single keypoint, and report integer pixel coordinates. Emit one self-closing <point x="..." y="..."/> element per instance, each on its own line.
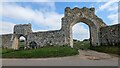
<point x="92" y="31"/>
<point x="22" y="42"/>
<point x="81" y="35"/>
<point x="33" y="44"/>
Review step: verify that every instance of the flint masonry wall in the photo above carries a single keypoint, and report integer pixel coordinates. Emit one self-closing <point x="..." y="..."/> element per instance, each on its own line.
<point x="22" y="29"/>
<point x="110" y="35"/>
<point x="56" y="37"/>
<point x="6" y="40"/>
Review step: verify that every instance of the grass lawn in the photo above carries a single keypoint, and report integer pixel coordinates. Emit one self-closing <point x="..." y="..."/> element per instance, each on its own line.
<point x="107" y="49"/>
<point x="84" y="45"/>
<point x="57" y="51"/>
<point x="44" y="52"/>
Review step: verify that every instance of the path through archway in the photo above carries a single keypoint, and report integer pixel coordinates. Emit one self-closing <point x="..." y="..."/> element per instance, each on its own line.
<point x="81" y="36"/>
<point x="22" y="42"/>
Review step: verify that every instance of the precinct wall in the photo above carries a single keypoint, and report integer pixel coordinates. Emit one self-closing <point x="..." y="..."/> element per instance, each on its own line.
<point x="6" y="40"/>
<point x="56" y="37"/>
<point x="110" y="35"/>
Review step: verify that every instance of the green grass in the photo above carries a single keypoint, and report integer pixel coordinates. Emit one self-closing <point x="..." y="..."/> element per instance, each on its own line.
<point x="107" y="49"/>
<point x="3" y="51"/>
<point x="57" y="51"/>
<point x="21" y="44"/>
<point x="44" y="52"/>
<point x="6" y="50"/>
<point x="85" y="45"/>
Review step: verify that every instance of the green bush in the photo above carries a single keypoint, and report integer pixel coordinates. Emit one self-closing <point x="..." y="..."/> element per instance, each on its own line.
<point x="49" y="51"/>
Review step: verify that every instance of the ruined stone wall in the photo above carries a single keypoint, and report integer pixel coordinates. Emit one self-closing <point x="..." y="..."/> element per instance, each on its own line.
<point x="6" y="40"/>
<point x="56" y="37"/>
<point x="110" y="35"/>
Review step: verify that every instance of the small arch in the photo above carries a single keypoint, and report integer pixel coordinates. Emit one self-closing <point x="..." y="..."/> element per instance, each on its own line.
<point x="33" y="44"/>
<point x="22" y="42"/>
<point x="22" y="38"/>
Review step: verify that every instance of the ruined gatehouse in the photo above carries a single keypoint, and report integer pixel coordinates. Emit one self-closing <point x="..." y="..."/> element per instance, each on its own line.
<point x="100" y="33"/>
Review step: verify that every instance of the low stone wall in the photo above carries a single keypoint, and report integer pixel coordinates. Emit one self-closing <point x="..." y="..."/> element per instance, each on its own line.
<point x="56" y="37"/>
<point x="110" y="35"/>
<point x="6" y="40"/>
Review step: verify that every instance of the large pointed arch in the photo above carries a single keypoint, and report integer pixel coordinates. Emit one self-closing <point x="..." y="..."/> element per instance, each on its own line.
<point x="85" y="15"/>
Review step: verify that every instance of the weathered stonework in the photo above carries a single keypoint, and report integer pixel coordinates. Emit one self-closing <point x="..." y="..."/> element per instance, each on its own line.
<point x="62" y="36"/>
<point x="85" y="15"/>
<point x="6" y="40"/>
<point x="110" y="35"/>
<point x="49" y="37"/>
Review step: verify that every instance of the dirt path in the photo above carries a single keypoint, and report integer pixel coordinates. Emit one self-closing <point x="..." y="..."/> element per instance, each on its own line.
<point x="94" y="55"/>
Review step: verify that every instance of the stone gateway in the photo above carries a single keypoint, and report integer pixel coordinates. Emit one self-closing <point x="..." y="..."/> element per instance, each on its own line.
<point x="61" y="37"/>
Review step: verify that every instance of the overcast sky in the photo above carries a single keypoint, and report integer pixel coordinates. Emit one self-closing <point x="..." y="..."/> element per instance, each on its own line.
<point x="46" y="16"/>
